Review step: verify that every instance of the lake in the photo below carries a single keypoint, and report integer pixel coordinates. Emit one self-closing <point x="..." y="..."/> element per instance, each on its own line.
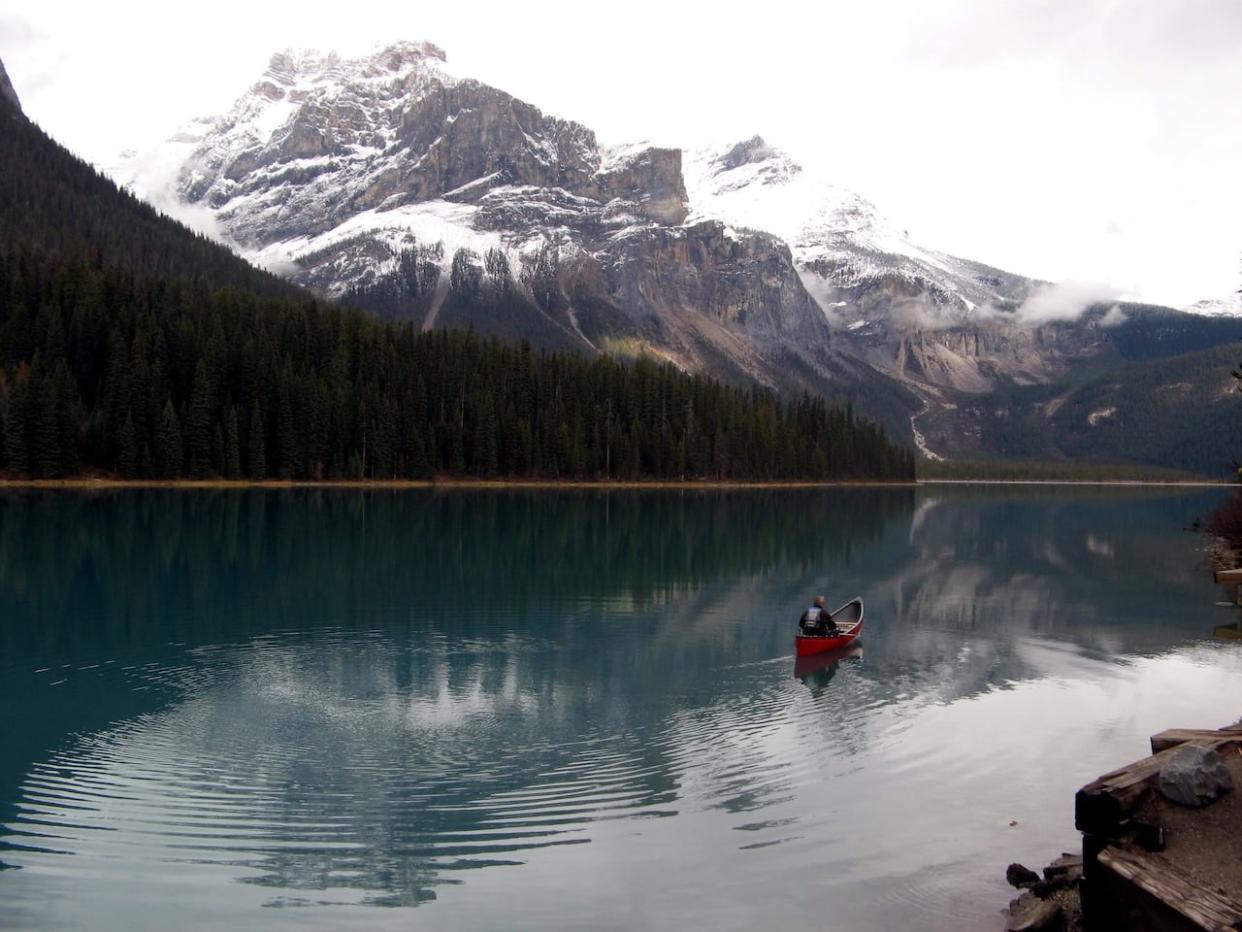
<point x="577" y="710"/>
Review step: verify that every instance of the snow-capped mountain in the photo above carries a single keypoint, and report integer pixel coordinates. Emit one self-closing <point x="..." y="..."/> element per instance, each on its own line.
<point x="929" y="319"/>
<point x="397" y="183"/>
<point x="838" y="238"/>
<point x="342" y="173"/>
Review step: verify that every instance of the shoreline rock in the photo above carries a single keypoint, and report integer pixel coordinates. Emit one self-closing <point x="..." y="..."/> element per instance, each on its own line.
<point x="1194" y="776"/>
<point x="1050" y="904"/>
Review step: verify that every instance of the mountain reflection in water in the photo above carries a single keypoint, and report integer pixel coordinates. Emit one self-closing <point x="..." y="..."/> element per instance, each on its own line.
<point x="535" y="707"/>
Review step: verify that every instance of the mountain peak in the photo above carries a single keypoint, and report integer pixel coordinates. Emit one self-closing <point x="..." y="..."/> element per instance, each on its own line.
<point x="754" y="151"/>
<point x="398" y="55"/>
<point x="291" y="64"/>
<point x="296" y="65"/>
<point x="6" y="90"/>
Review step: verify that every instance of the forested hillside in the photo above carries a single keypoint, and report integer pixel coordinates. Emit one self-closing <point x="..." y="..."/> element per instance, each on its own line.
<point x="131" y="346"/>
<point x="1183" y="413"/>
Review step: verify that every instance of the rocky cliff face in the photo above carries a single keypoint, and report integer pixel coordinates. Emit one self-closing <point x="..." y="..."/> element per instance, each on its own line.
<point x="335" y="169"/>
<point x="319" y="140"/>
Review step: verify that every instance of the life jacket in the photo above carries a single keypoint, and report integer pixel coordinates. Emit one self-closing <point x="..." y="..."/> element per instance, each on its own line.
<point x="813" y="619"/>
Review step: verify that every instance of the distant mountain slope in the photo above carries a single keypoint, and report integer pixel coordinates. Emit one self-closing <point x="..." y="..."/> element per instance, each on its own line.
<point x="1182" y="412"/>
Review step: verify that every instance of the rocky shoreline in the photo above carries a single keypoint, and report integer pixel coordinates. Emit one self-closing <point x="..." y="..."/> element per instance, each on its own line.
<point x="1050" y="902"/>
<point x="1162" y="845"/>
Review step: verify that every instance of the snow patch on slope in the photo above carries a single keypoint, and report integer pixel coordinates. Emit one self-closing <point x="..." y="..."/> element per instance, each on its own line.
<point x="836" y="236"/>
<point x="427" y="224"/>
<point x="1230" y="306"/>
<point x="774" y="194"/>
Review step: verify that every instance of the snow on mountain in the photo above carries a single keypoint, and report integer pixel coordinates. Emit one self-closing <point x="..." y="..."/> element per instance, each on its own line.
<point x="1230" y="306"/>
<point x="753" y="185"/>
<point x="839" y="240"/>
<point x="395" y="147"/>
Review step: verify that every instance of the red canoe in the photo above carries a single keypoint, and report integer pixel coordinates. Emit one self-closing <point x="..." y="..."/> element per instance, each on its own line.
<point x="849" y="619"/>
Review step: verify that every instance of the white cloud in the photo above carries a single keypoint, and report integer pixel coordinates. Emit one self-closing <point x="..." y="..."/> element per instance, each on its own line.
<point x="1065" y="301"/>
<point x="1114" y="318"/>
<point x="152" y="176"/>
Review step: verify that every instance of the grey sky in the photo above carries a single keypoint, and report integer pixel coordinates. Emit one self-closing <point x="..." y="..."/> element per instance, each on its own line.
<point x="1097" y="140"/>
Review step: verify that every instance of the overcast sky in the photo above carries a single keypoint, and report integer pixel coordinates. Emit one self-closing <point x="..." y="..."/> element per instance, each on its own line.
<point x="1095" y="140"/>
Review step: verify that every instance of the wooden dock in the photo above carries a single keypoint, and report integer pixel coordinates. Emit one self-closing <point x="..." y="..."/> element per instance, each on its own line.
<point x="1149" y="864"/>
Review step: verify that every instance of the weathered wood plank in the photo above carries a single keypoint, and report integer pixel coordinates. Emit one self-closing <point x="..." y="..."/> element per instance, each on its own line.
<point x="1202" y="907"/>
<point x="1172" y="737"/>
<point x="1229" y="576"/>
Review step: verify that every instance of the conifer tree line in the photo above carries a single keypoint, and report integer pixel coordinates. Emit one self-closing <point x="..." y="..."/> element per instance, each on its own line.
<point x="132" y="347"/>
<point x="156" y="378"/>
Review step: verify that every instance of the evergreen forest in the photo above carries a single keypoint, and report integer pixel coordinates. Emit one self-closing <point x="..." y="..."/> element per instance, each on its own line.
<point x="132" y="347"/>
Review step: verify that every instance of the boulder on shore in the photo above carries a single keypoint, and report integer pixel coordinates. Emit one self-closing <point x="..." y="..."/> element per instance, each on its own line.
<point x="1020" y="876"/>
<point x="1194" y="776"/>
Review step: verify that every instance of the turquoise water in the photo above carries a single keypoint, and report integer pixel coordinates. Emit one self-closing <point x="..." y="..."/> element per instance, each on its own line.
<point x="540" y="710"/>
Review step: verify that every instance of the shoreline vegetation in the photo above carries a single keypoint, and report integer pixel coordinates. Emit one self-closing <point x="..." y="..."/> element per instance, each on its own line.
<point x="993" y="470"/>
<point x="519" y="484"/>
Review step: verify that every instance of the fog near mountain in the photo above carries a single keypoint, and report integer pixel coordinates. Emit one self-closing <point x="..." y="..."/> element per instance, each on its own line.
<point x="159" y="169"/>
<point x="1067" y="301"/>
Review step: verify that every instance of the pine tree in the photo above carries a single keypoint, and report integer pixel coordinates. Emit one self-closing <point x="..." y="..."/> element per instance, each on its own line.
<point x="486" y="455"/>
<point x="232" y="445"/>
<point x="287" y="467"/>
<point x="127" y="449"/>
<point x="67" y="420"/>
<point x="199" y="423"/>
<point x="17" y="426"/>
<point x="457" y="456"/>
<point x="116" y="393"/>
<point x="46" y="453"/>
<point x="419" y="465"/>
<point x="168" y="454"/>
<point x="256" y="446"/>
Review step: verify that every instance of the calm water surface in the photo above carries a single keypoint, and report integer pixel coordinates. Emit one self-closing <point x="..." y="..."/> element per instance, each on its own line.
<point x="576" y="711"/>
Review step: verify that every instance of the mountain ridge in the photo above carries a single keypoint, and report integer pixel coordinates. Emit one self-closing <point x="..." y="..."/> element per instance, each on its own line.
<point x="360" y="177"/>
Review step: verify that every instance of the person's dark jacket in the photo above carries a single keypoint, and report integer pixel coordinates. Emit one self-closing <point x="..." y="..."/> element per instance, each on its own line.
<point x="817" y="620"/>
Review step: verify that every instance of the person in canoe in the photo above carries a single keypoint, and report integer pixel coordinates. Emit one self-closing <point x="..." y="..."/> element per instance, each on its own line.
<point x="816" y="620"/>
